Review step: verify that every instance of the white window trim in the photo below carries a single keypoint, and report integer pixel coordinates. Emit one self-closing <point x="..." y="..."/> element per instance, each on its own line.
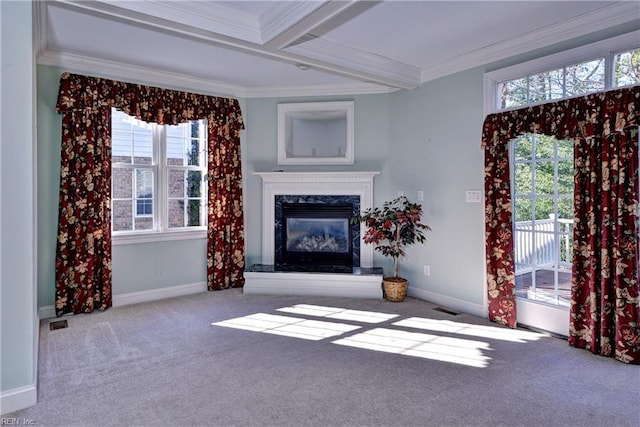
<point x="605" y="48"/>
<point x="130" y="238"/>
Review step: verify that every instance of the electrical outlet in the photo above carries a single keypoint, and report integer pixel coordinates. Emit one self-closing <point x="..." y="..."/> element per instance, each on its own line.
<point x="420" y="195"/>
<point x="427" y="270"/>
<point x="400" y="193"/>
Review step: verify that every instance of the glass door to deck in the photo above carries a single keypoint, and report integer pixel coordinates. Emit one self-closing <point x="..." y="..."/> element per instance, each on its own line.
<point x="542" y="187"/>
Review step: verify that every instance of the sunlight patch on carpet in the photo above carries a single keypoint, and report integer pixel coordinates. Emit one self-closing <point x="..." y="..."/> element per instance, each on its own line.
<point x="450" y="326"/>
<point x="288" y="326"/>
<point x="339" y="313"/>
<point x="445" y="349"/>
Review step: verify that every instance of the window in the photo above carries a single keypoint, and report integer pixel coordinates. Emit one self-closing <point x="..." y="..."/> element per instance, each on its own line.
<point x="158" y="176"/>
<point x="601" y="66"/>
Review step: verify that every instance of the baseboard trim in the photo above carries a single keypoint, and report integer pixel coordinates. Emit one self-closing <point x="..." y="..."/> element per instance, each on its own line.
<point x="49" y="311"/>
<point x="448" y="302"/>
<point x="17" y="399"/>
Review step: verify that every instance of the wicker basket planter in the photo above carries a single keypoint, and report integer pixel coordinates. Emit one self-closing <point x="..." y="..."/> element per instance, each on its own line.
<point x="394" y="288"/>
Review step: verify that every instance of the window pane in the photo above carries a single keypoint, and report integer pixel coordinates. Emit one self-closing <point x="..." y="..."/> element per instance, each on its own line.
<point x="194" y="184"/>
<point x="176" y="182"/>
<point x="142" y="146"/>
<point x="544" y="242"/>
<point x="522" y="148"/>
<point x="565" y="177"/>
<point x="176" y="136"/>
<point x="523" y="178"/>
<point x="565" y="210"/>
<point x="176" y="213"/>
<point x="585" y="78"/>
<point x="545" y="147"/>
<point x="185" y="144"/>
<point x="565" y="149"/>
<point x="523" y="209"/>
<point x="193" y="213"/>
<point x="513" y="93"/>
<point x="144" y="183"/>
<point x="627" y="68"/>
<point x="122" y="215"/>
<point x="544" y="208"/>
<point x="144" y="207"/>
<point x="131" y="139"/>
<point x="185" y="183"/>
<point x="122" y="183"/>
<point x="144" y="193"/>
<point x="144" y="223"/>
<point x="545" y="178"/>
<point x="566" y="251"/>
<point x="546" y="86"/>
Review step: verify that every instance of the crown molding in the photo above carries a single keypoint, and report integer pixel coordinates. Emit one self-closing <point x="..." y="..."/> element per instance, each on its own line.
<point x="142" y="75"/>
<point x="317" y="90"/>
<point x="137" y="74"/>
<point x="609" y="16"/>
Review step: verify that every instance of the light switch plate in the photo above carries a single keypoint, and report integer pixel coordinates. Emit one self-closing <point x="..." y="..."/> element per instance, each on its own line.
<point x="474" y="196"/>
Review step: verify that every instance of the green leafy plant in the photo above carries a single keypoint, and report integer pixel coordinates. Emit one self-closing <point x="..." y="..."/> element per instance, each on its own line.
<point x="393" y="227"/>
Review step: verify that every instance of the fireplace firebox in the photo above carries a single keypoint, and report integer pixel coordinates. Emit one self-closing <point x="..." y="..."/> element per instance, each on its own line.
<point x="317" y="234"/>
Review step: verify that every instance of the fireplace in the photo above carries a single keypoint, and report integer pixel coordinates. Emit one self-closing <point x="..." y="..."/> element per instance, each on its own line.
<point x="314" y="233"/>
<point x="315" y="197"/>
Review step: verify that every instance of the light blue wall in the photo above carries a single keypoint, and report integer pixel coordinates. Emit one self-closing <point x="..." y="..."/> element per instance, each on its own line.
<point x="17" y="213"/>
<point x="48" y="146"/>
<point x="371" y="129"/>
<point x="435" y="139"/>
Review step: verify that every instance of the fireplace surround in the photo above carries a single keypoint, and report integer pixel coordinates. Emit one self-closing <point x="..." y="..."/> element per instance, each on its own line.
<point x="361" y="279"/>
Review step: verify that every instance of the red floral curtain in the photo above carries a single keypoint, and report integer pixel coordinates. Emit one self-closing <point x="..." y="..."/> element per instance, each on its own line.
<point x="610" y="116"/>
<point x="83" y="254"/>
<point x="84" y="232"/>
<point x="604" y="309"/>
<point x="225" y="251"/>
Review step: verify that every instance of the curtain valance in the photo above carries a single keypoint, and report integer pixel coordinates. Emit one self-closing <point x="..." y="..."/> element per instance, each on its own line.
<point x="596" y="114"/>
<point x="147" y="103"/>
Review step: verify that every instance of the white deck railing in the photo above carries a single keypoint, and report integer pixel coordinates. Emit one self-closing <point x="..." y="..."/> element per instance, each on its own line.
<point x="539" y="244"/>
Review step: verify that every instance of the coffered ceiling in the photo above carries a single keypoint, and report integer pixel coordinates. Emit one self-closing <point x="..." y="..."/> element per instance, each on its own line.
<point x="281" y="48"/>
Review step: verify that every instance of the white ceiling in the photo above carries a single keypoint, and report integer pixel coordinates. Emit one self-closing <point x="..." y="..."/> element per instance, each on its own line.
<point x="250" y="48"/>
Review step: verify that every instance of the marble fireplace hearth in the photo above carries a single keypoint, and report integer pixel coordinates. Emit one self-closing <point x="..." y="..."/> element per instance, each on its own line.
<point x="363" y="280"/>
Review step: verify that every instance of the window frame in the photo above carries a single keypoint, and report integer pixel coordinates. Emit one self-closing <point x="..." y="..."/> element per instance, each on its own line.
<point x="161" y="231"/>
<point x="606" y="48"/>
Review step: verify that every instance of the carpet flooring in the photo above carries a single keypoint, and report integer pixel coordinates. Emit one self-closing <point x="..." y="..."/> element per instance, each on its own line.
<point x="229" y="359"/>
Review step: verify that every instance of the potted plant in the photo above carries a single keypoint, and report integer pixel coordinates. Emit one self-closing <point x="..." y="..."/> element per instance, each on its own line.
<point x="392" y="228"/>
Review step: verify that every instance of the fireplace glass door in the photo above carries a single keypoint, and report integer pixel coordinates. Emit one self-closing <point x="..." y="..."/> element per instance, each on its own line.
<point x="317" y="234"/>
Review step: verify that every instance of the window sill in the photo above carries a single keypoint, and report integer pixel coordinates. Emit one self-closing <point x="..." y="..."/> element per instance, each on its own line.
<point x="154" y="237"/>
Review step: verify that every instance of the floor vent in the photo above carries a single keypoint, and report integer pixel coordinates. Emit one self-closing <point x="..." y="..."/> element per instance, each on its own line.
<point x="446" y="310"/>
<point x="58" y="324"/>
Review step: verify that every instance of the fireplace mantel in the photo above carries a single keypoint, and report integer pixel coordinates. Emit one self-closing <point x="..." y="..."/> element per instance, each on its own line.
<point x="313" y="183"/>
